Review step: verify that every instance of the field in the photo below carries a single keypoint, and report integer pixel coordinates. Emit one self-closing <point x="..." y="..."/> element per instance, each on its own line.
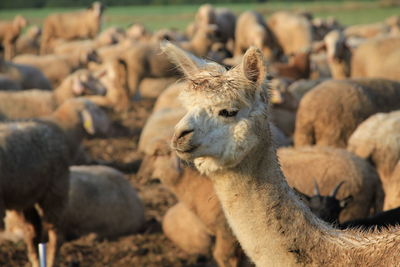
<point x="156" y="17"/>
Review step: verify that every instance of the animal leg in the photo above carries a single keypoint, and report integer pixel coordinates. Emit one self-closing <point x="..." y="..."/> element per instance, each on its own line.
<point x="32" y="228"/>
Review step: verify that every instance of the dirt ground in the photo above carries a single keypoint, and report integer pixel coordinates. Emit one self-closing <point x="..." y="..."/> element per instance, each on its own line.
<point x="147" y="248"/>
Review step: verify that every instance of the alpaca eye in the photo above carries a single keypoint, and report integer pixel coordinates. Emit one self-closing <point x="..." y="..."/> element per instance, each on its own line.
<point x="226" y="113"/>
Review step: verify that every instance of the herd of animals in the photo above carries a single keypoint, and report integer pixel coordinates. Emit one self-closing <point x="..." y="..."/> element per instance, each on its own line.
<point x="322" y="98"/>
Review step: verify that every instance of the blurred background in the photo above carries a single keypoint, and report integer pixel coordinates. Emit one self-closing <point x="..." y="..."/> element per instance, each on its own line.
<point x="157" y="14"/>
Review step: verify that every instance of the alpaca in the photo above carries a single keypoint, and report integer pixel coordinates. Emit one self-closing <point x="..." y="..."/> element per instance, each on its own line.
<point x="226" y="134"/>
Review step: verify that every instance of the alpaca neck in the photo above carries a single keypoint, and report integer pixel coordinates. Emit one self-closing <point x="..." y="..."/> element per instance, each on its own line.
<point x="271" y="224"/>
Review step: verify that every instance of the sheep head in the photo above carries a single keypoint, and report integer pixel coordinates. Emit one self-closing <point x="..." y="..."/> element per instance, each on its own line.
<point x="328" y="207"/>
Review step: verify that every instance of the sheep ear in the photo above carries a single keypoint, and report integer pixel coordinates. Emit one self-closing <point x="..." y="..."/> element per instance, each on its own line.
<point x="77" y="86"/>
<point x="253" y="66"/>
<point x="188" y="63"/>
<point x="88" y="124"/>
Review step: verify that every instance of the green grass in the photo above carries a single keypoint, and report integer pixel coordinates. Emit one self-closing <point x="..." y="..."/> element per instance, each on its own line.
<point x="155" y="17"/>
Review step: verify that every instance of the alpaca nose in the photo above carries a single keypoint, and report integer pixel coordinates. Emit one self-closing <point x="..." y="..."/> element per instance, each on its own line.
<point x="183" y="133"/>
<point x="181" y="138"/>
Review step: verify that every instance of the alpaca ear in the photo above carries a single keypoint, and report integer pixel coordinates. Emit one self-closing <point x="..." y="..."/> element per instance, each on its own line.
<point x="188" y="63"/>
<point x="253" y="66"/>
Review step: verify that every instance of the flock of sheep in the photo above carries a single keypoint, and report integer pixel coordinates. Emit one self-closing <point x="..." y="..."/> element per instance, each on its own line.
<point x="335" y="96"/>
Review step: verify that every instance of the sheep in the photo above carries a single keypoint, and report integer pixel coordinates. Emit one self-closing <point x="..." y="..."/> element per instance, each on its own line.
<point x="108" y="37"/>
<point x="146" y="61"/>
<point x="222" y="17"/>
<point x="392" y="192"/>
<point x="27" y="76"/>
<point x="339" y="55"/>
<point x="93" y="192"/>
<point x="101" y="201"/>
<point x="29" y="43"/>
<point x="196" y="192"/>
<point x="328" y="166"/>
<point x="138" y="32"/>
<point x="9" y="84"/>
<point x="57" y="67"/>
<point x="69" y="26"/>
<point x="371" y="30"/>
<point x="297" y="67"/>
<point x="36" y="103"/>
<point x="113" y="75"/>
<point x="293" y="32"/>
<point x="299" y="88"/>
<point x="153" y="87"/>
<point x="34" y="168"/>
<point x="326" y="207"/>
<point x="381" y="220"/>
<point x="9" y="33"/>
<point x="186" y="230"/>
<point x="329" y="113"/>
<point x="321" y="27"/>
<point x="251" y="30"/>
<point x="377" y="139"/>
<point x="377" y="58"/>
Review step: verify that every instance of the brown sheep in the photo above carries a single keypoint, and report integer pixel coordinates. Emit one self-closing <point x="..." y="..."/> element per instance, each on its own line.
<point x="113" y="75"/>
<point x="9" y="33"/>
<point x="196" y="192"/>
<point x="69" y="26"/>
<point x="293" y="31"/>
<point x="372" y="30"/>
<point x="377" y="58"/>
<point x="298" y="67"/>
<point x="378" y="140"/>
<point x="328" y="166"/>
<point x="112" y="35"/>
<point x="251" y="30"/>
<point x="36" y="103"/>
<point x="57" y="67"/>
<point x="153" y="87"/>
<point x="392" y="192"/>
<point x="222" y="17"/>
<point x="29" y="43"/>
<point x="329" y="113"/>
<point x="186" y="230"/>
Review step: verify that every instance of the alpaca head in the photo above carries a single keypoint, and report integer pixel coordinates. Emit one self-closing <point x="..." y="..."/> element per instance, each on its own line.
<point x="227" y="110"/>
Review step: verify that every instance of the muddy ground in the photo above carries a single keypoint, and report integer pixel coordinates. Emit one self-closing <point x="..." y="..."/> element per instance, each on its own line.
<point x="148" y="248"/>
